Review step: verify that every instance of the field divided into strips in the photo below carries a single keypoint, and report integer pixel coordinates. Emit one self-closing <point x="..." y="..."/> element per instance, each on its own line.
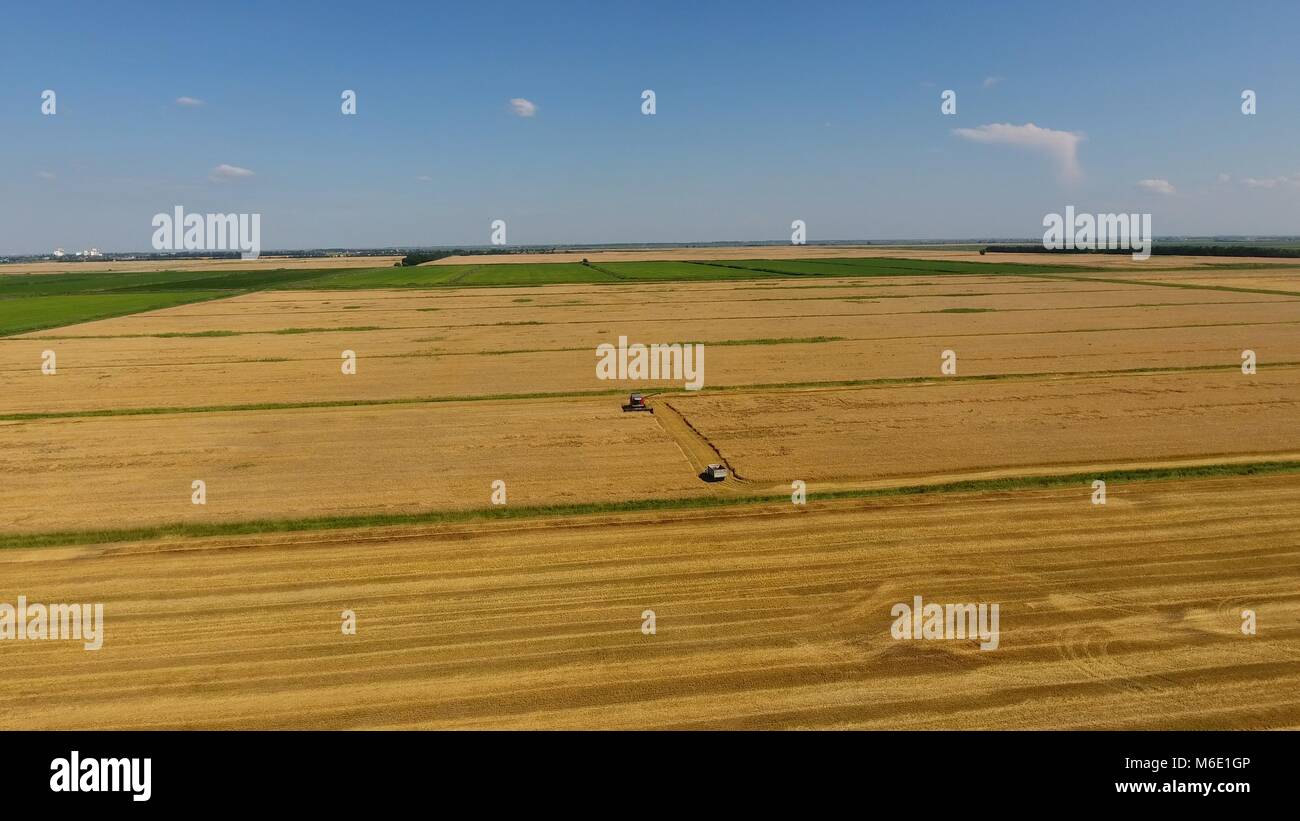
<point x="371" y="491"/>
<point x="1126" y="616"/>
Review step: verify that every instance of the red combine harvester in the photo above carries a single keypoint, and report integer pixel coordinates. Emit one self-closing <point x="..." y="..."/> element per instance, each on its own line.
<point x="636" y="402"/>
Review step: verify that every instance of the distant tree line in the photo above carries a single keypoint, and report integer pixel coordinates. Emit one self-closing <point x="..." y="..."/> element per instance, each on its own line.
<point x="1156" y="248"/>
<point x="424" y="256"/>
<point x="418" y="257"/>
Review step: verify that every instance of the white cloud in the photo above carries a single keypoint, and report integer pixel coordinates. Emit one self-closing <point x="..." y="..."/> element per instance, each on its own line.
<point x="1271" y="182"/>
<point x="192" y="102"/>
<point x="45" y="175"/>
<point x="989" y="82"/>
<point x="1157" y="186"/>
<point x="1224" y="178"/>
<point x="424" y="178"/>
<point x="225" y="173"/>
<point x="522" y="107"/>
<point x="1061" y="146"/>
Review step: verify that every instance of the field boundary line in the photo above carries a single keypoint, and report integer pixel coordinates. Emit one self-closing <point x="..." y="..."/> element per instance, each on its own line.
<point x="918" y="381"/>
<point x="255" y="526"/>
<point x="1186" y="285"/>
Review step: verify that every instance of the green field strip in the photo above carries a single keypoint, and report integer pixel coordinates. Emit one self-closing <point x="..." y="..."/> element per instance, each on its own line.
<point x="19" y="315"/>
<point x="1028" y="481"/>
<point x="889" y="267"/>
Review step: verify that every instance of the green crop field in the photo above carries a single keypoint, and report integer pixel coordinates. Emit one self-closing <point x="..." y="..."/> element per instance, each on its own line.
<point x="679" y="271"/>
<point x="23" y="314"/>
<point x="421" y="276"/>
<point x="885" y="267"/>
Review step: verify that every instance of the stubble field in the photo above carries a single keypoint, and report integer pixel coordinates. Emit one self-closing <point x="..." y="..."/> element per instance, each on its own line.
<point x="370" y="492"/>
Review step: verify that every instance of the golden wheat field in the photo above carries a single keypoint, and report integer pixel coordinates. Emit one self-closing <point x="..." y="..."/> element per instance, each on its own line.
<point x="1122" y="617"/>
<point x="373" y="492"/>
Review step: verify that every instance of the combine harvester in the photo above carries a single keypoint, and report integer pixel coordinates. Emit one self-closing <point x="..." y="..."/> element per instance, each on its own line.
<point x="711" y="473"/>
<point x="636" y="402"/>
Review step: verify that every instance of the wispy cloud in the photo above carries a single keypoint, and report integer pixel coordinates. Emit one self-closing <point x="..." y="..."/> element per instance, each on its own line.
<point x="1271" y="182"/>
<point x="226" y="173"/>
<point x="192" y="102"/>
<point x="424" y="178"/>
<point x="1061" y="146"/>
<point x="522" y="107"/>
<point x="1156" y="186"/>
<point x="45" y="175"/>
<point x="1224" y="178"/>
<point x="992" y="80"/>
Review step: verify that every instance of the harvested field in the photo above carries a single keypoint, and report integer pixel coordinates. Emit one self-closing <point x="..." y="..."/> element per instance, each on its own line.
<point x="1125" y="616"/>
<point x="137" y="470"/>
<point x="913" y="431"/>
<point x="370" y="491"/>
<point x="285" y="347"/>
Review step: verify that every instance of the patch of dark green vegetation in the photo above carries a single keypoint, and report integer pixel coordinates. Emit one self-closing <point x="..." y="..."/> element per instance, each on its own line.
<point x="421" y="257"/>
<point x="1158" y="249"/>
<point x="323" y="330"/>
<point x="34" y="302"/>
<point x="783" y="340"/>
<point x="888" y="267"/>
<point x="189" y="334"/>
<point x="38" y="313"/>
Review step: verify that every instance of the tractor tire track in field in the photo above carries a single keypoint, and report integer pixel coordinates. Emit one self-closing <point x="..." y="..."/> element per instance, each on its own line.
<point x="461" y="276"/>
<point x="695" y="446"/>
<point x="612" y="274"/>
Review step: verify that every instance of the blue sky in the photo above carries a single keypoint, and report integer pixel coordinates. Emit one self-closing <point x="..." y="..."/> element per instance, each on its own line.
<point x="766" y="112"/>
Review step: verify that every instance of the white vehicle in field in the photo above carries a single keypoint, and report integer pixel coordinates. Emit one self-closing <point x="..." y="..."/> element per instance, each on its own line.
<point x="715" y="473"/>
